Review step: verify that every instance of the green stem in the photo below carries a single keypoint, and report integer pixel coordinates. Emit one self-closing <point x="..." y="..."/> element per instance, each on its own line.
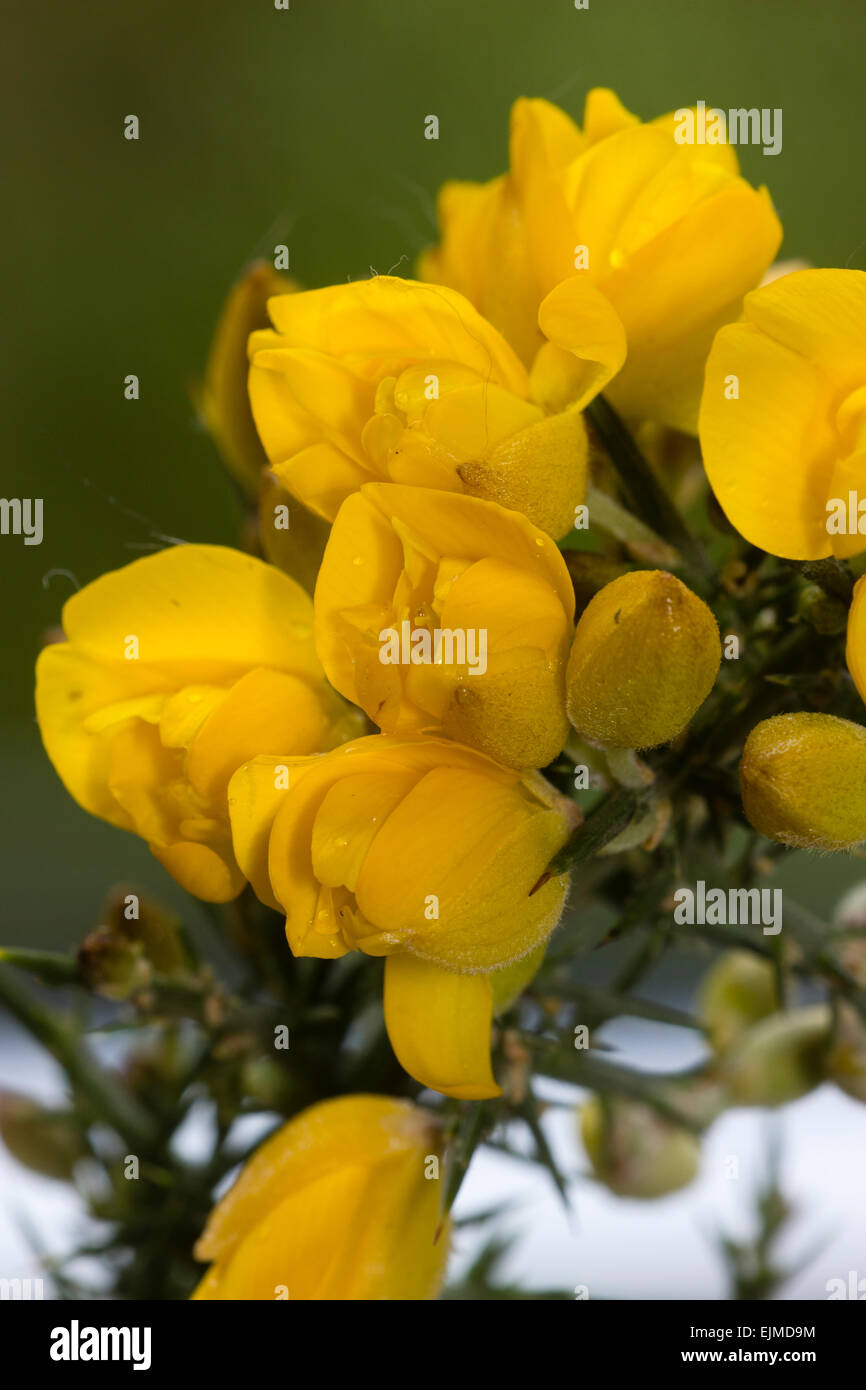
<point x="110" y="1102"/>
<point x="647" y="495"/>
<point x="50" y="967"/>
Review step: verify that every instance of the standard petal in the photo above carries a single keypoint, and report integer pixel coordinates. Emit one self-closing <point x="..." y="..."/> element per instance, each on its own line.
<point x="767" y="442"/>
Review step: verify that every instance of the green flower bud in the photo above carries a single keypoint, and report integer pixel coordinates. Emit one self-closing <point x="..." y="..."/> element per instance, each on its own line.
<point x="740" y="990"/>
<point x="846" y="1056"/>
<point x="780" y="1058"/>
<point x="159" y="932"/>
<point x="635" y="1151"/>
<point x="46" y="1142"/>
<point x="826" y="614"/>
<point x="803" y="781"/>
<point x="111" y="965"/>
<point x="646" y="653"/>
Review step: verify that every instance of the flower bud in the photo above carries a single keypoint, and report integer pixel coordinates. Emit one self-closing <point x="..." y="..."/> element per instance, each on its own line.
<point x="740" y="989"/>
<point x="293" y="538"/>
<point x="47" y="1142"/>
<point x="846" y="1056"/>
<point x="160" y="934"/>
<point x="803" y="781"/>
<point x="634" y="1150"/>
<point x="780" y="1058"/>
<point x="111" y="964"/>
<point x="850" y="948"/>
<point x="826" y="614"/>
<point x="223" y="399"/>
<point x="341" y="1204"/>
<point x="645" y="655"/>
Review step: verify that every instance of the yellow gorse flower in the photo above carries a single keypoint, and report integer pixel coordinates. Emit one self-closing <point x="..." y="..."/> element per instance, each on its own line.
<point x="667" y="234"/>
<point x="783" y="416"/>
<point x="342" y="1203"/>
<point x="417" y="849"/>
<point x="405" y="382"/>
<point x="404" y="568"/>
<point x="177" y="669"/>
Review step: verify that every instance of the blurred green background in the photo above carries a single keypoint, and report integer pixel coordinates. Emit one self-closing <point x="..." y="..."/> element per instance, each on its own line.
<point x="306" y="127"/>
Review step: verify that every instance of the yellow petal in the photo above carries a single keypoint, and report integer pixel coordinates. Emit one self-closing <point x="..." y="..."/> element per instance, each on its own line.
<point x="676" y="290"/>
<point x="255" y="793"/>
<point x="202" y="870"/>
<point x="201" y="613"/>
<point x="265" y="712"/>
<point x="771" y="431"/>
<point x="542" y="138"/>
<point x="450" y="872"/>
<point x="855" y="652"/>
<point x="604" y="114"/>
<point x="358" y="1132"/>
<point x="586" y="346"/>
<point x="439" y="1026"/>
<point x="375" y="324"/>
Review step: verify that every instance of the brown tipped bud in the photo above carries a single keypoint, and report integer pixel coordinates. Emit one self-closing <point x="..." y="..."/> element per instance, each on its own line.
<point x="635" y="1151"/>
<point x="779" y="1059"/>
<point x="645" y="655"/>
<point x="740" y="990"/>
<point x="140" y="921"/>
<point x="111" y="965"/>
<point x="803" y="781"/>
<point x="44" y="1141"/>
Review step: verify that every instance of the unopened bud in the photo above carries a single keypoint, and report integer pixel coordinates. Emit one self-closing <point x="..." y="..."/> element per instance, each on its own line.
<point x="634" y="1150"/>
<point x="740" y="990"/>
<point x="846" y="1056"/>
<point x="158" y="931"/>
<point x="645" y="656"/>
<point x="44" y="1141"/>
<point x="825" y="614"/>
<point x="111" y="965"/>
<point x="780" y="1058"/>
<point x="803" y="781"/>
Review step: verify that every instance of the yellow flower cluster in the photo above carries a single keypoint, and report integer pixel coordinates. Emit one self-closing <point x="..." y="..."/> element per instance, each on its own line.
<point x="435" y="428"/>
<point x="355" y="724"/>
